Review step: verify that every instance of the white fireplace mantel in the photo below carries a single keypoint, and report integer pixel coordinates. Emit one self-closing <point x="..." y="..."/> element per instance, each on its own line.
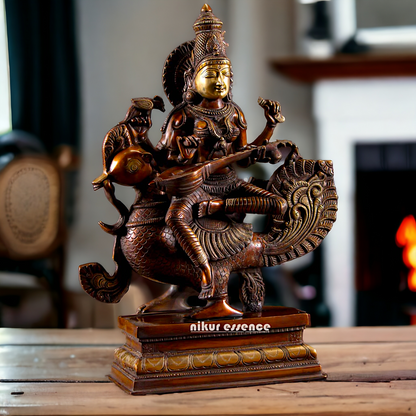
<point x="347" y="112"/>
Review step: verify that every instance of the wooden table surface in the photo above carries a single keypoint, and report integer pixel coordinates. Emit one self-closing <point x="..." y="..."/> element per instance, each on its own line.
<point x="371" y="371"/>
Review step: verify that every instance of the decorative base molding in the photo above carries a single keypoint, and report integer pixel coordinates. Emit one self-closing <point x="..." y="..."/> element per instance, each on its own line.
<point x="168" y="352"/>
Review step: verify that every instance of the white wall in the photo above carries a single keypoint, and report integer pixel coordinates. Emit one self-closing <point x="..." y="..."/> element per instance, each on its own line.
<point x="122" y="48"/>
<point x="350" y="112"/>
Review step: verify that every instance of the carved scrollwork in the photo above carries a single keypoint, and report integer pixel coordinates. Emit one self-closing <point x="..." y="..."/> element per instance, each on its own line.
<point x="177" y="63"/>
<point x="309" y="190"/>
<point x="116" y="140"/>
<point x="99" y="284"/>
<point x="218" y="360"/>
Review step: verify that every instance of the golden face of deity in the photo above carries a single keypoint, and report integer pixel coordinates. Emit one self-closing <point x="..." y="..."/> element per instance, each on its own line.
<point x="213" y="80"/>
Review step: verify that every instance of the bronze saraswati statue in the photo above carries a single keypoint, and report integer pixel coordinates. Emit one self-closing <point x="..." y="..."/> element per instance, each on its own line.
<point x="186" y="228"/>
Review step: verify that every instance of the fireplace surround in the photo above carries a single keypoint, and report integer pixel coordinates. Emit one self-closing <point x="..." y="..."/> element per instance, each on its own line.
<point x="350" y="112"/>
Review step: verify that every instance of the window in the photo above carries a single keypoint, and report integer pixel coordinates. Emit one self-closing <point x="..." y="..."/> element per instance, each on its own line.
<point x="5" y="110"/>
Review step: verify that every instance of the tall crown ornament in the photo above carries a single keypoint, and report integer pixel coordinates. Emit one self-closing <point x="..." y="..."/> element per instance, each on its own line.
<point x="186" y="228"/>
<point x="209" y="39"/>
<point x="187" y="59"/>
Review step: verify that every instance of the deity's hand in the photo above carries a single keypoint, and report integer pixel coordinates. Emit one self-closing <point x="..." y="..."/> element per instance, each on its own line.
<point x="139" y="120"/>
<point x="272" y="111"/>
<point x="294" y="153"/>
<point x="260" y="154"/>
<point x="187" y="145"/>
<point x="140" y="124"/>
<point x="268" y="153"/>
<point x="273" y="153"/>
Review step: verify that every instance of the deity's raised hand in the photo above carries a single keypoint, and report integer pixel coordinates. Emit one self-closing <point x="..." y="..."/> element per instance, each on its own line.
<point x="272" y="111"/>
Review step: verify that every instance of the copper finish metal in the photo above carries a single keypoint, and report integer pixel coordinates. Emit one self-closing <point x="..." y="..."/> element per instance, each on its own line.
<point x="186" y="228"/>
<point x="203" y="355"/>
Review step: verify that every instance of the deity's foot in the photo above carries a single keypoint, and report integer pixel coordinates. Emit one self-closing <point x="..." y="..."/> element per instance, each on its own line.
<point x="218" y="308"/>
<point x="210" y="207"/>
<point x="207" y="291"/>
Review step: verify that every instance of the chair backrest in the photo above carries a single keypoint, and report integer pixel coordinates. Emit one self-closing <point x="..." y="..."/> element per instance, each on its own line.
<point x="31" y="223"/>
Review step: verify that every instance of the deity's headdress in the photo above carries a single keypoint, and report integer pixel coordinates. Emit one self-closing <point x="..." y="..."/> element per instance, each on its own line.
<point x="187" y="59"/>
<point x="209" y="39"/>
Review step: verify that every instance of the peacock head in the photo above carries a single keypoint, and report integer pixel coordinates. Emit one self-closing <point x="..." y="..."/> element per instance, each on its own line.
<point x="129" y="167"/>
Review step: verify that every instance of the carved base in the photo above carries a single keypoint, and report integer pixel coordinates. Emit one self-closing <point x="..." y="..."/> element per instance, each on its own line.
<point x="167" y="352"/>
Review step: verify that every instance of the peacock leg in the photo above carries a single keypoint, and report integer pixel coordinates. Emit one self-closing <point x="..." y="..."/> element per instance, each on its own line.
<point x="252" y="290"/>
<point x="114" y="229"/>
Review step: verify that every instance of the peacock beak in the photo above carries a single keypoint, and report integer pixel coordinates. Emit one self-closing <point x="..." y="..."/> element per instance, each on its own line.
<point x="97" y="183"/>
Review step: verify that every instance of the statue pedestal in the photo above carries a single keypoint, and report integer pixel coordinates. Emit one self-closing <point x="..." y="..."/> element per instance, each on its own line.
<point x="168" y="352"/>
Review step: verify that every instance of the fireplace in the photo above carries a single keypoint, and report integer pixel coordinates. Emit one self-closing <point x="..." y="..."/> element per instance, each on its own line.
<point x="350" y="113"/>
<point x="385" y="187"/>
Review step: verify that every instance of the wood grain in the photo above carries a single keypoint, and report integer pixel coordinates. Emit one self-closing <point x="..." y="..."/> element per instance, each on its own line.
<point x="16" y="336"/>
<point x="323" y="398"/>
<point x="369" y="361"/>
<point x="371" y="371"/>
<point x="53" y="363"/>
<point x="360" y="334"/>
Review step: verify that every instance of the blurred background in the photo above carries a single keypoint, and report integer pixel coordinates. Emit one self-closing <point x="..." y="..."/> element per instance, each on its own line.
<point x="345" y="74"/>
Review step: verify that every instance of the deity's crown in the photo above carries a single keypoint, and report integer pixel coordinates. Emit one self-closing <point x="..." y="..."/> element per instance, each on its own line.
<point x="209" y="39"/>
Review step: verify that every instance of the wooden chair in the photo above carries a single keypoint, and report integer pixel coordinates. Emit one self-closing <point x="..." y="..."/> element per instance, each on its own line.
<point x="32" y="232"/>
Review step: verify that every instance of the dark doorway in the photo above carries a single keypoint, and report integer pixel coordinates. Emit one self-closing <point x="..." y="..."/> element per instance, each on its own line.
<point x="385" y="194"/>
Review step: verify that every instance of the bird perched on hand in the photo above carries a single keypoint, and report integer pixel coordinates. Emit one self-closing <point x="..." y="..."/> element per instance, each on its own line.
<point x="132" y="130"/>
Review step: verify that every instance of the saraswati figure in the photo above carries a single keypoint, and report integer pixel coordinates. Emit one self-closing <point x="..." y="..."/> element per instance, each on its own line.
<point x="206" y="125"/>
<point x="186" y="226"/>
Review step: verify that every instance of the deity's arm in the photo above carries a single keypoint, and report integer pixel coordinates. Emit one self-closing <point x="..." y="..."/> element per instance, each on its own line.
<point x="272" y="112"/>
<point x="168" y="149"/>
<point x="241" y="142"/>
<point x="265" y="135"/>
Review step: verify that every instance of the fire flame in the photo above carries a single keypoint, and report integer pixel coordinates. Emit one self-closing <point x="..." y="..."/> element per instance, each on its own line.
<point x="406" y="238"/>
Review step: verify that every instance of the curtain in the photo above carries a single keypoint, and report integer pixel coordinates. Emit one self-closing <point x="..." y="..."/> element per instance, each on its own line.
<point x="43" y="70"/>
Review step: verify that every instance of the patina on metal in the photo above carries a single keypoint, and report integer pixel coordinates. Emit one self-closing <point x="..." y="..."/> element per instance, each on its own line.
<point x="186" y="228"/>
